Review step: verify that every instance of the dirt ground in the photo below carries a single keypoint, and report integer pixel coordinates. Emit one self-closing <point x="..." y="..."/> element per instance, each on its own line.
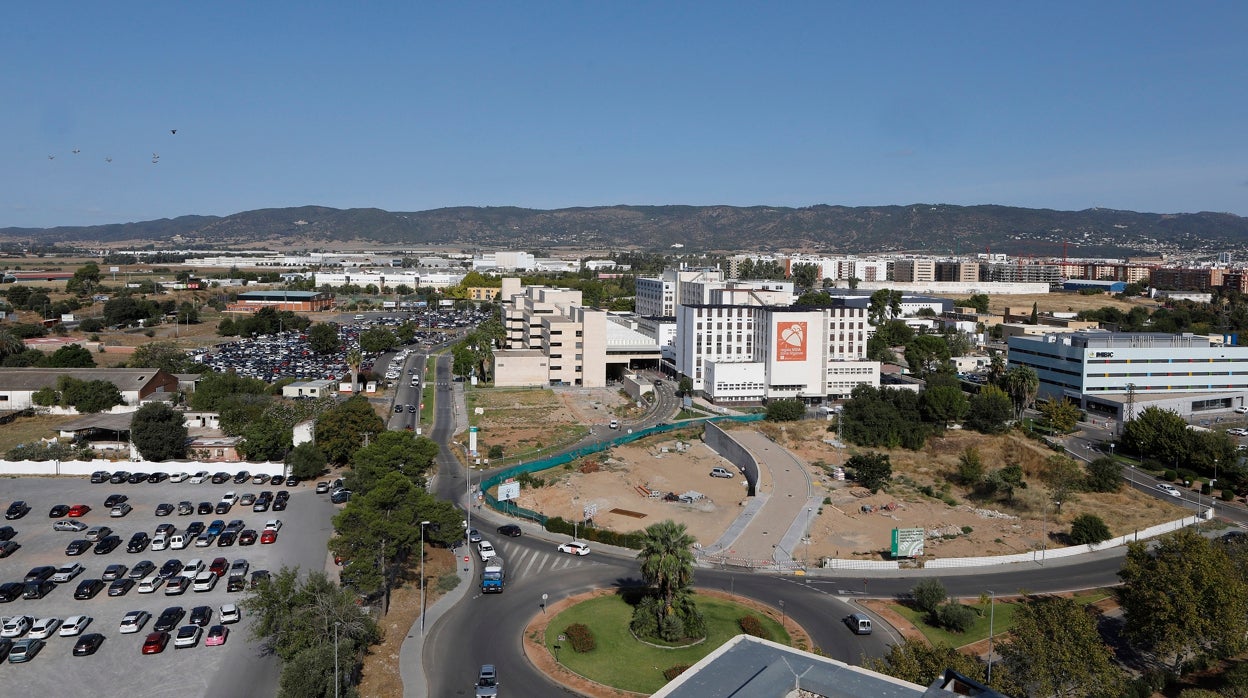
<point x="660" y="465"/>
<point x="528" y="422"/>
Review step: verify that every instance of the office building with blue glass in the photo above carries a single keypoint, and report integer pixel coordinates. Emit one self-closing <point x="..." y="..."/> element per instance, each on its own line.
<point x="1116" y="373"/>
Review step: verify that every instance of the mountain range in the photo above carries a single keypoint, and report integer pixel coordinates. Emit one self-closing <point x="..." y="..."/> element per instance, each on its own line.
<point x="930" y="228"/>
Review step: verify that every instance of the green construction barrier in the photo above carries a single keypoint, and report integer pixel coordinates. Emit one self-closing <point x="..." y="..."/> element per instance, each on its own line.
<point x="508" y="507"/>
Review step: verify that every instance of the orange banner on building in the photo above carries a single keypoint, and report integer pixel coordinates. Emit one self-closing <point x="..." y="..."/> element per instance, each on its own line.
<point x="790" y="341"/>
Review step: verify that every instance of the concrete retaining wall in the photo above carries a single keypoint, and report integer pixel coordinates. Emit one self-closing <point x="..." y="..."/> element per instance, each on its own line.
<point x="724" y="445"/>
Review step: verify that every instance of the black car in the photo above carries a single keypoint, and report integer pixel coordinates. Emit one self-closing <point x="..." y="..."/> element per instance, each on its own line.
<point x="40" y="573"/>
<point x="398" y="408"/>
<point x="7" y="532"/>
<point x="247" y="537"/>
<point x="292" y="481"/>
<point x="220" y="478"/>
<point x="119" y="477"/>
<point x="114" y="499"/>
<point x="113" y="572"/>
<point x="78" y="547"/>
<point x="164" y="509"/>
<point x="156" y="478"/>
<point x="88" y="588"/>
<point x="8" y="547"/>
<point x="141" y="569"/>
<point x="99" y="476"/>
<point x="205" y="508"/>
<point x="119" y="587"/>
<point x="107" y="545"/>
<point x="340" y="496"/>
<point x="236" y="583"/>
<point x="279" y="504"/>
<point x="58" y="511"/>
<point x="6" y="645"/>
<point x="169" y="569"/>
<point x="226" y="538"/>
<point x="136" y="478"/>
<point x="223" y="507"/>
<point x="88" y="644"/>
<point x="10" y="591"/>
<point x="194" y="528"/>
<point x="259" y="577"/>
<point x="411" y="408"/>
<point x="138" y="542"/>
<point x="276" y="480"/>
<point x="169" y="618"/>
<point x="38" y="590"/>
<point x="201" y="615"/>
<point x="281" y="494"/>
<point x="241" y="477"/>
<point x="511" y="530"/>
<point x="17" y="510"/>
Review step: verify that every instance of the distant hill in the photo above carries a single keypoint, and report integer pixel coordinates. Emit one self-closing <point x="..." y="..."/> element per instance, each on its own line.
<point x="934" y="228"/>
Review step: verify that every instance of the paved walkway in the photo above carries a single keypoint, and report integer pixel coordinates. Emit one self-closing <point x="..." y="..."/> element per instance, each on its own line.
<point x="411" y="666"/>
<point x="774" y="521"/>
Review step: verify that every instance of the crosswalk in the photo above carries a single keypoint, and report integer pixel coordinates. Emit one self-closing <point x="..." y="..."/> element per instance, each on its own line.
<point x="522" y="562"/>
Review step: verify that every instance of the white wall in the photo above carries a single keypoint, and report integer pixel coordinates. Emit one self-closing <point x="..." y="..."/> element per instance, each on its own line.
<point x="86" y="467"/>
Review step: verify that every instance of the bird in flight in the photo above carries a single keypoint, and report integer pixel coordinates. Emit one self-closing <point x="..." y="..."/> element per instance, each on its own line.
<point x="51" y="157"/>
<point x="76" y="151"/>
<point x="173" y="131"/>
<point x="108" y="159"/>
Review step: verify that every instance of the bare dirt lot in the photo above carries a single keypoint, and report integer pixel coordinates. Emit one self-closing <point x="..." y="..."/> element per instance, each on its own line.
<point x="529" y="422"/>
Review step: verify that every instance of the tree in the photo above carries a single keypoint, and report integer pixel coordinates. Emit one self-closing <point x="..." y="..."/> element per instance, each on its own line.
<point x="340" y="430"/>
<point x="10" y="344"/>
<point x="267" y="438"/>
<point x="392" y="451"/>
<point x="1064" y="477"/>
<point x="306" y="461"/>
<point x="1055" y="650"/>
<point x="158" y="432"/>
<point x="88" y="397"/>
<point x="216" y="389"/>
<point x="1035" y="313"/>
<point x="685" y="385"/>
<point x="1062" y="415"/>
<point x="927" y="354"/>
<point x="667" y="560"/>
<point x="377" y="340"/>
<point x="805" y="275"/>
<point x="354" y="359"/>
<point x="928" y="595"/>
<point x="1104" y="475"/>
<point x="871" y="470"/>
<point x="1088" y="528"/>
<point x="916" y="661"/>
<point x="1022" y="384"/>
<point x="1157" y="433"/>
<point x="85" y="281"/>
<point x="785" y="410"/>
<point x="323" y="338"/>
<point x="944" y="404"/>
<point x="970" y="467"/>
<point x="1183" y="598"/>
<point x="70" y="356"/>
<point x="884" y="305"/>
<point x="978" y="301"/>
<point x="990" y="410"/>
<point x="166" y="356"/>
<point x="296" y="617"/>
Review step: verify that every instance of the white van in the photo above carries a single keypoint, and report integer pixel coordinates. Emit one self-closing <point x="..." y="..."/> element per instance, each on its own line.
<point x="177" y="541"/>
<point x="859" y="623"/>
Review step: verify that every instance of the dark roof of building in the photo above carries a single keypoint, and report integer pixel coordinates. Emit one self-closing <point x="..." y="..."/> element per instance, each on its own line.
<point x="280" y="295"/>
<point x="111" y="422"/>
<point x="36" y="378"/>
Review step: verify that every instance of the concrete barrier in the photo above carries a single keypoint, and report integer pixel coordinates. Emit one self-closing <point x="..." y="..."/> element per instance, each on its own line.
<point x="726" y="446"/>
<point x="86" y="467"/>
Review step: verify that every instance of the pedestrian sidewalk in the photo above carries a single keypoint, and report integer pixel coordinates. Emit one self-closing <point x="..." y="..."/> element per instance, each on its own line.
<point x="411" y="653"/>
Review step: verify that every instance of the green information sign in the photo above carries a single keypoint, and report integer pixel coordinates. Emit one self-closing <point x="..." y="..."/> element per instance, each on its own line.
<point x="908" y="542"/>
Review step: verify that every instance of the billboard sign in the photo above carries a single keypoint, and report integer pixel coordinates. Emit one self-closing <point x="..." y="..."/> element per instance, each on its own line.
<point x="790" y="341"/>
<point x="508" y="491"/>
<point x="908" y="542"/>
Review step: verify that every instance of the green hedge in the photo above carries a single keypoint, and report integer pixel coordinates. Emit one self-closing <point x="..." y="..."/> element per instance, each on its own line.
<point x="633" y="539"/>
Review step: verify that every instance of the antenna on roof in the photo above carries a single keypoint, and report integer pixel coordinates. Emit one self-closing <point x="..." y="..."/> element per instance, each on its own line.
<point x="797" y="678"/>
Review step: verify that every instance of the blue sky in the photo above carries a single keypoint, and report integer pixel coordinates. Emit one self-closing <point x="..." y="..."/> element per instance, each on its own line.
<point x="411" y="106"/>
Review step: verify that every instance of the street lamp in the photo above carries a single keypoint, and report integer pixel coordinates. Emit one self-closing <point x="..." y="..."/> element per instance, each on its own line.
<point x="422" y="576"/>
<point x="544" y="597"/>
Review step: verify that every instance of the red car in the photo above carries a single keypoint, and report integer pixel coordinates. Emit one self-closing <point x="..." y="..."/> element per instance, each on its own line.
<point x="155" y="643"/>
<point x="268" y="537"/>
<point x="78" y="510"/>
<point x="219" y="566"/>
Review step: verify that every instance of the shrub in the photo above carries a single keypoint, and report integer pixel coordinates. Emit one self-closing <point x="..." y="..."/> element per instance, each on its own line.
<point x="645" y="622"/>
<point x="785" y="410"/>
<point x="1169" y="476"/>
<point x="967" y="530"/>
<point x="496" y="452"/>
<point x="928" y="595"/>
<point x="1088" y="528"/>
<point x="675" y="671"/>
<point x="751" y="625"/>
<point x="1104" y="475"/>
<point x="1228" y="495"/>
<point x="956" y="617"/>
<point x="581" y="637"/>
<point x="448" y="582"/>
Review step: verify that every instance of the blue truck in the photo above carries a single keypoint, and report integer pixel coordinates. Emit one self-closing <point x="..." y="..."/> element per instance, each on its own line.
<point x="492" y="578"/>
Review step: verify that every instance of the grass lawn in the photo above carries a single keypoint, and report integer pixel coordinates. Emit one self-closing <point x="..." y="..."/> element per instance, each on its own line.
<point x="28" y="429"/>
<point x="1002" y="619"/>
<point x="623" y="662"/>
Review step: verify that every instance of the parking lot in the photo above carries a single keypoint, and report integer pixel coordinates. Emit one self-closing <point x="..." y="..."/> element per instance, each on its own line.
<point x="118" y="667"/>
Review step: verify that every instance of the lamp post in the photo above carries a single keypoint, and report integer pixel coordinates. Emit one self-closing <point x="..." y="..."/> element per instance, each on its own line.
<point x="992" y="608"/>
<point x="422" y="576"/>
<point x="544" y="597"/>
<point x="336" y="624"/>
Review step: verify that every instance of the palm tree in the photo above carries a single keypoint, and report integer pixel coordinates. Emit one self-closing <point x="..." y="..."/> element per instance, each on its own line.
<point x="354" y="359"/>
<point x="1022" y="384"/>
<point x="667" y="561"/>
<point x="9" y="344"/>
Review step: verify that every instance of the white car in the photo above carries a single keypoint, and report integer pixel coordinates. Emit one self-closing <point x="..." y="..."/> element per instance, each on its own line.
<point x="67" y="572"/>
<point x="273" y="525"/>
<point x="1170" y="490"/>
<point x="178" y="477"/>
<point x="1241" y="410"/>
<point x="151" y="584"/>
<point x="159" y="543"/>
<point x="205" y="581"/>
<point x="74" y="625"/>
<point x="193" y="567"/>
<point x="574" y="548"/>
<point x="15" y="626"/>
<point x="229" y="613"/>
<point x="485" y="550"/>
<point x="199" y="477"/>
<point x="44" y="627"/>
<point x="229" y="498"/>
<point x="187" y="636"/>
<point x="134" y="621"/>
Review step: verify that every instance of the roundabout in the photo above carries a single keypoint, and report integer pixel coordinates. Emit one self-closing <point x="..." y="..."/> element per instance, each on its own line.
<point x="621" y="664"/>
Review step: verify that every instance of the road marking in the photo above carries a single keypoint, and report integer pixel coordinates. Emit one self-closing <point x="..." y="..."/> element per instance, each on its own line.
<point x="531" y="561"/>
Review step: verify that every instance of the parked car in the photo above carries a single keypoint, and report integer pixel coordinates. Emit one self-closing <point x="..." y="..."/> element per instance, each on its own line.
<point x="155" y="642"/>
<point x="120" y="587"/>
<point x="107" y="545"/>
<point x="217" y="635"/>
<point x="120" y="510"/>
<point x="88" y="588"/>
<point x="114" y="499"/>
<point x="25" y="650"/>
<point x="134" y="621"/>
<point x="164" y="509"/>
<point x="74" y="625"/>
<point x="16" y="510"/>
<point x="71" y="526"/>
<point x="66" y="573"/>
<point x="78" y="510"/>
<point x="58" y="511"/>
<point x="138" y="542"/>
<point x="88" y="644"/>
<point x="8" y="547"/>
<point x="114" y="572"/>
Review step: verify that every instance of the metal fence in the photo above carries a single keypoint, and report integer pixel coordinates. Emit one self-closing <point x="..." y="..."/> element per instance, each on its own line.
<point x="555" y="461"/>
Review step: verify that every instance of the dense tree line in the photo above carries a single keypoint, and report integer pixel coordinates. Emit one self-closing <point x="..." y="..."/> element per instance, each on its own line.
<point x="263" y="321"/>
